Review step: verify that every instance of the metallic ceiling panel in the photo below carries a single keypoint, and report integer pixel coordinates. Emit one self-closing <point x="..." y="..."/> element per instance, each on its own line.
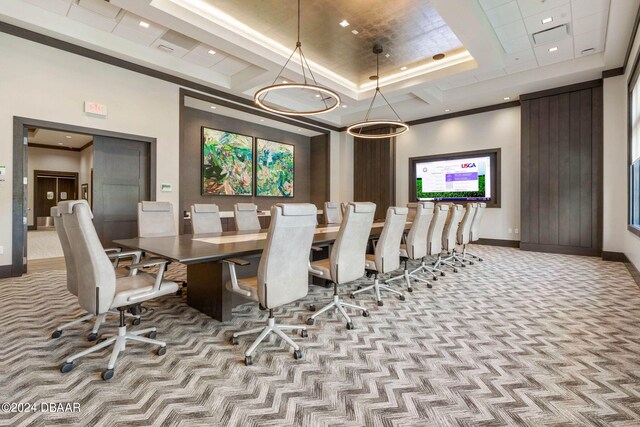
<point x="411" y="31"/>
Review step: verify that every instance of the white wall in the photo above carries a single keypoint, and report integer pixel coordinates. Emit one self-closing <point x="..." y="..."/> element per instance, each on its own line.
<point x="49" y="160"/>
<point x="496" y="129"/>
<point x="48" y="84"/>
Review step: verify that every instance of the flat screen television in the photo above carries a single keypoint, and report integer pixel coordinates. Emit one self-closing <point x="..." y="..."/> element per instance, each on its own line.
<point x="456" y="177"/>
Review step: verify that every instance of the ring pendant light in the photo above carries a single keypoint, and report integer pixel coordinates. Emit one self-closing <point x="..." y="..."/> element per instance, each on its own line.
<point x="357" y="128"/>
<point x="309" y="84"/>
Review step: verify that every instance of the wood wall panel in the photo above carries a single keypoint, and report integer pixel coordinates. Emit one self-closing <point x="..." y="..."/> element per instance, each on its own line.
<point x="374" y="172"/>
<point x="561" y="171"/>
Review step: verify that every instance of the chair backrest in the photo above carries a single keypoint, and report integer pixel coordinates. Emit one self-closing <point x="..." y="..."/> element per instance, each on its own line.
<point x="155" y="219"/>
<point x="343" y="209"/>
<point x="283" y="273"/>
<point x="332" y="213"/>
<point x="417" y="238"/>
<point x="245" y="216"/>
<point x="69" y="260"/>
<point x="97" y="278"/>
<point x="464" y="229"/>
<point x="205" y="218"/>
<point x="449" y="234"/>
<point x="477" y="219"/>
<point x="413" y="208"/>
<point x="349" y="249"/>
<point x="434" y="236"/>
<point x="388" y="246"/>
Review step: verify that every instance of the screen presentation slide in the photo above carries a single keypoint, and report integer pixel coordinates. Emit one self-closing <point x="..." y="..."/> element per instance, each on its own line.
<point x="459" y="179"/>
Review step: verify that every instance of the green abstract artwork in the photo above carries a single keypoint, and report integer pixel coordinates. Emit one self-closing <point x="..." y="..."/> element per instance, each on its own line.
<point x="274" y="168"/>
<point x="227" y="163"/>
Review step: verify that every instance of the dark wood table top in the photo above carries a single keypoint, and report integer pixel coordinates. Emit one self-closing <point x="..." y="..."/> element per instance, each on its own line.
<point x="186" y="249"/>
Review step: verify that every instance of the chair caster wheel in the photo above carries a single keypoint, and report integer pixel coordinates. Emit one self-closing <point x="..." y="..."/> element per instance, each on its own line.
<point x="470" y="262"/>
<point x="248" y="360"/>
<point x="380" y="303"/>
<point x="56" y="334"/>
<point x="304" y="333"/>
<point x="349" y="325"/>
<point x="107" y="374"/>
<point x="359" y="287"/>
<point x="442" y="274"/>
<point x="402" y="298"/>
<point x="462" y="265"/>
<point x="92" y="337"/>
<point x="310" y="321"/>
<point x="297" y="354"/>
<point x="67" y="367"/>
<point x="136" y="321"/>
<point x="455" y="270"/>
<point x="162" y="351"/>
<point x="312" y="307"/>
<point x="234" y="340"/>
<point x="410" y="290"/>
<point x="479" y="259"/>
<point x="152" y="335"/>
<point x="352" y="296"/>
<point x="179" y="293"/>
<point x="365" y="313"/>
<point x="429" y="285"/>
<point x="435" y="278"/>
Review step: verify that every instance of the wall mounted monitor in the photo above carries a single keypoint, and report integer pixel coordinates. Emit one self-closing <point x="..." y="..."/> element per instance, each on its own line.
<point x="456" y="177"/>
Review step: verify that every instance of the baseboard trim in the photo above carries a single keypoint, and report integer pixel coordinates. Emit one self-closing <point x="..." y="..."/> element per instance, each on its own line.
<point x="559" y="249"/>
<point x="6" y="271"/>
<point x="31" y="227"/>
<point x="633" y="271"/>
<point x="614" y="256"/>
<point x="498" y="242"/>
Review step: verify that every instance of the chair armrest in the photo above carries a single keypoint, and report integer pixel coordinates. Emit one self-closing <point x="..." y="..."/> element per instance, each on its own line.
<point x="237" y="261"/>
<point x="135" y="257"/>
<point x="109" y="250"/>
<point x="162" y="263"/>
<point x="149" y="263"/>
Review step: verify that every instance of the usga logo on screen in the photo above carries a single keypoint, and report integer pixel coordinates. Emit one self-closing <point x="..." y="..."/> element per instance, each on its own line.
<point x="468" y="165"/>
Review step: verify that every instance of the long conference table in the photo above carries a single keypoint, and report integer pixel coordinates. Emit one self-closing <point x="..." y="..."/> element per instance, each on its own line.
<point x="204" y="256"/>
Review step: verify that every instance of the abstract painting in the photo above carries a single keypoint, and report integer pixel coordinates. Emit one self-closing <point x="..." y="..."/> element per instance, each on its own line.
<point x="227" y="163"/>
<point x="274" y="168"/>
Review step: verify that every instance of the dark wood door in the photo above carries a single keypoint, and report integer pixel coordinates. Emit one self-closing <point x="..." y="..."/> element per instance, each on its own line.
<point x="66" y="189"/>
<point x="45" y="197"/>
<point x="121" y="177"/>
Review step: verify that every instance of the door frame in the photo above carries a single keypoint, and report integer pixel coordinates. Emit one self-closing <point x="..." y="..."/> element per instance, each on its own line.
<point x="20" y="179"/>
<point x="56" y="174"/>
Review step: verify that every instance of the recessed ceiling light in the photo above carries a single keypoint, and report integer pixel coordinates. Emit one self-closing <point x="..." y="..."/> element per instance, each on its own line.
<point x="344" y="23"/>
<point x="447" y="110"/>
<point x="68" y="136"/>
<point x="344" y="105"/>
<point x="387" y="55"/>
<point x="355" y="32"/>
<point x="403" y="68"/>
<point x="317" y="95"/>
<point x="212" y="52"/>
<point x="547" y="20"/>
<point x="553" y="49"/>
<point x="59" y="143"/>
<point x="506" y="98"/>
<point x="299" y="129"/>
<point x="285" y="82"/>
<point x="262" y="120"/>
<point x="213" y="107"/>
<point x="144" y="24"/>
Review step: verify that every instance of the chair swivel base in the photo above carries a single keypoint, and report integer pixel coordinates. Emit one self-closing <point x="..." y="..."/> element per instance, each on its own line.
<point x="446" y="262"/>
<point x="377" y="287"/>
<point x="119" y="343"/>
<point x="96" y="326"/>
<point x="338" y="305"/>
<point x="408" y="276"/>
<point x="265" y="331"/>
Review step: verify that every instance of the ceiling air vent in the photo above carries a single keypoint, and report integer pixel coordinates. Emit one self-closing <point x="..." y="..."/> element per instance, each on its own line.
<point x="165" y="48"/>
<point x="551" y="35"/>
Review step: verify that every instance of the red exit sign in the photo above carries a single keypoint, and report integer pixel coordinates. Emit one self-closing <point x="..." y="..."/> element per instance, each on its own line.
<point x="95" y="109"/>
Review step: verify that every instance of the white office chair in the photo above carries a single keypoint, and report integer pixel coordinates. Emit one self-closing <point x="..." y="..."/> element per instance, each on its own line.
<point x="332" y="213"/>
<point x="449" y="237"/>
<point x="205" y="218"/>
<point x="434" y="241"/>
<point x="99" y="291"/>
<point x="413" y="209"/>
<point x="464" y="234"/>
<point x="245" y="216"/>
<point x="347" y="259"/>
<point x="474" y="234"/>
<point x="114" y="254"/>
<point x="387" y="253"/>
<point x="283" y="271"/>
<point x="415" y="247"/>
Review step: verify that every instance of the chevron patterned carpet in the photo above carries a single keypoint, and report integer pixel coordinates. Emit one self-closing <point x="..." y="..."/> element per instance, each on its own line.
<point x="520" y="339"/>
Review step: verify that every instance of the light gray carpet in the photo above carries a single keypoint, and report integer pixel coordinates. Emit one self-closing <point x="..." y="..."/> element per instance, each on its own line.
<point x="43" y="244"/>
<point x="520" y="339"/>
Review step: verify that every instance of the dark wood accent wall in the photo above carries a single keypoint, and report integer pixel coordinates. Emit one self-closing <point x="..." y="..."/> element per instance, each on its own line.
<point x="320" y="161"/>
<point x="374" y="171"/>
<point x="561" y="197"/>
